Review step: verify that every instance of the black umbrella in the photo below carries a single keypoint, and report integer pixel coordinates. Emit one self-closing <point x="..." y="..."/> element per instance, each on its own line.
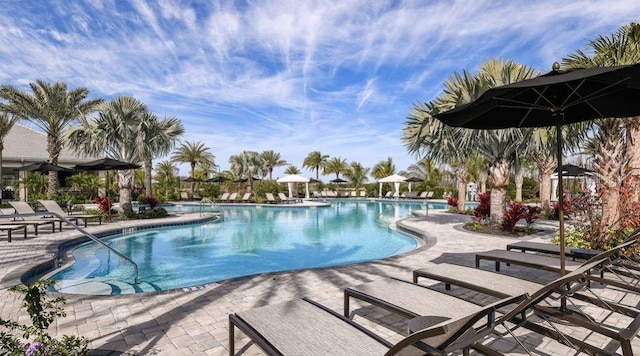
<point x="244" y="180"/>
<point x="554" y="99"/>
<point x="106" y="164"/>
<point x="42" y="167"/>
<point x="191" y="180"/>
<point x="217" y="179"/>
<point x="338" y="180"/>
<point x="570" y="170"/>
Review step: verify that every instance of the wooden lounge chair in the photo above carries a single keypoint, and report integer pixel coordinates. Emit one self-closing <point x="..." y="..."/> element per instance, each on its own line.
<point x="388" y="195"/>
<point x="21" y="207"/>
<point x="284" y="198"/>
<point x="304" y="327"/>
<point x="423" y="195"/>
<point x="53" y="207"/>
<point x="34" y="221"/>
<point x="232" y="197"/>
<point x="196" y="196"/>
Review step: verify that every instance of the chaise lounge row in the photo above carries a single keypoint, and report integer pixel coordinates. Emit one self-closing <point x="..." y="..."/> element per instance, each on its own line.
<point x="441" y="323"/>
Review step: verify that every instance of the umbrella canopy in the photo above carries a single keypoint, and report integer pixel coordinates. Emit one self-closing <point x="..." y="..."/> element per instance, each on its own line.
<point x="554" y="99"/>
<point x="42" y="167"/>
<point x="570" y="170"/>
<point x="396" y="179"/>
<point x="217" y="179"/>
<point x="191" y="180"/>
<point x="292" y="179"/>
<point x="338" y="180"/>
<point x="106" y="164"/>
<point x="413" y="180"/>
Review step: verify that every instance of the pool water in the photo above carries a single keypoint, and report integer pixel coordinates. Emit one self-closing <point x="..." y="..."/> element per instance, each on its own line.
<point x="249" y="241"/>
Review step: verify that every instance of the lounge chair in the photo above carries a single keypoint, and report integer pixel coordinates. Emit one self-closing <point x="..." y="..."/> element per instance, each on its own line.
<point x="196" y="196"/>
<point x="353" y="194"/>
<point x="304" y="327"/>
<point x="53" y="207"/>
<point x="423" y="195"/>
<point x="21" y="207"/>
<point x="11" y="228"/>
<point x="316" y="194"/>
<point x="270" y="198"/>
<point x="388" y="195"/>
<point x="246" y="198"/>
<point x="429" y="195"/>
<point x="224" y="197"/>
<point x="232" y="197"/>
<point x="411" y="300"/>
<point x="184" y="196"/>
<point x="284" y="199"/>
<point x="363" y="194"/>
<point x="32" y="221"/>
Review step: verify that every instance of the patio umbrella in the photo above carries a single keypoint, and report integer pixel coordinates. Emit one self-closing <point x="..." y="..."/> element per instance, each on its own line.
<point x="217" y="179"/>
<point x="42" y="167"/>
<point x="191" y="180"/>
<point x="338" y="181"/>
<point x="106" y="164"/>
<point x="413" y="180"/>
<point x="554" y="99"/>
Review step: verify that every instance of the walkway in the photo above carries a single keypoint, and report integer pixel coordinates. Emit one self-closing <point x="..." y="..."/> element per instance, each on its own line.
<point x="196" y="321"/>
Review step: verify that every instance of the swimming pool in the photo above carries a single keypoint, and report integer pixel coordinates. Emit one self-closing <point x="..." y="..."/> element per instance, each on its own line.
<point x="250" y="240"/>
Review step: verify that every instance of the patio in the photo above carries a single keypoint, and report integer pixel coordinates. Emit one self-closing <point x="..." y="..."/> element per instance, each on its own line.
<point x="195" y="320"/>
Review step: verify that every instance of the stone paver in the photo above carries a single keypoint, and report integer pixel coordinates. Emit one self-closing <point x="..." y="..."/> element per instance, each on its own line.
<point x="196" y="321"/>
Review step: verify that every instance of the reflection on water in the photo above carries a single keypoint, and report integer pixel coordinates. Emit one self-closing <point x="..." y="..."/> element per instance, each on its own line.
<point x="249" y="241"/>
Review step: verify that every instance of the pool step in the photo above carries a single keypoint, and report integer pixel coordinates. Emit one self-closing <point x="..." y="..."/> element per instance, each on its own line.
<point x="98" y="287"/>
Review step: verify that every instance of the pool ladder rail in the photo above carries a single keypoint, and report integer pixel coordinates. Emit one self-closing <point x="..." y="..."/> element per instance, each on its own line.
<point x="206" y="202"/>
<point x="87" y="234"/>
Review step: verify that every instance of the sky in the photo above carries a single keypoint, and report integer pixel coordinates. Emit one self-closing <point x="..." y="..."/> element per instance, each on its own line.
<point x="339" y="77"/>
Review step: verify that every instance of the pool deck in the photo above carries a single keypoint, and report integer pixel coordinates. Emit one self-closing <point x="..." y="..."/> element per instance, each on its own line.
<point x="195" y="320"/>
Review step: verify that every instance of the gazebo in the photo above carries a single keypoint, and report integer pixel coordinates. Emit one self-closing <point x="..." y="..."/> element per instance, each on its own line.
<point x="396" y="179"/>
<point x="570" y="171"/>
<point x="293" y="178"/>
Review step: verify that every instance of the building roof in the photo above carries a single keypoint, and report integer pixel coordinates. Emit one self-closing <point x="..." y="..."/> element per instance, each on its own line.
<point x="24" y="145"/>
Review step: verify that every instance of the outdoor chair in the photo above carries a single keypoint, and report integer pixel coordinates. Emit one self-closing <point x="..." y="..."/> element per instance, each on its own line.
<point x="270" y="198"/>
<point x="21" y="207"/>
<point x="53" y="207"/>
<point x="196" y="196"/>
<point x="246" y="198"/>
<point x="283" y="198"/>
<point x="184" y="196"/>
<point x="34" y="221"/>
<point x="224" y="197"/>
<point x="423" y="195"/>
<point x="11" y="228"/>
<point x="409" y="300"/>
<point x="232" y="198"/>
<point x="304" y="327"/>
<point x="363" y="194"/>
<point x="388" y="195"/>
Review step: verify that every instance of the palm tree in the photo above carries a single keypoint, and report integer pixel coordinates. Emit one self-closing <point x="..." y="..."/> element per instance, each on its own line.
<point x="271" y="160"/>
<point x="335" y="165"/>
<point x="194" y="153"/>
<point x="314" y="161"/>
<point x="357" y="174"/>
<point x="166" y="176"/>
<point x="383" y="169"/>
<point x="114" y="133"/>
<point x="86" y="181"/>
<point x="156" y="138"/>
<point x="246" y="164"/>
<point x="619" y="136"/>
<point x="7" y="120"/>
<point x="52" y="108"/>
<point x="292" y="170"/>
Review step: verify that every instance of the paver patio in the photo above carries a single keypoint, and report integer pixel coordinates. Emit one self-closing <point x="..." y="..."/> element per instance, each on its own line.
<point x="195" y="320"/>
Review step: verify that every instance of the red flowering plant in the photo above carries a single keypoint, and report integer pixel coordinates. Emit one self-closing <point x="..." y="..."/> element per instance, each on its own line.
<point x="452" y="202"/>
<point x="511" y="215"/>
<point x="532" y="213"/>
<point x="482" y="212"/>
<point x="104" y="204"/>
<point x="153" y="202"/>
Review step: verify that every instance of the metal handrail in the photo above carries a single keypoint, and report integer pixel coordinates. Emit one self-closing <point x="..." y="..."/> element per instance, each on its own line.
<point x="86" y="233"/>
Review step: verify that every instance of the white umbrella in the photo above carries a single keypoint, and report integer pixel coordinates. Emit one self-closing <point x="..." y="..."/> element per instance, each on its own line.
<point x="396" y="179"/>
<point x="294" y="178"/>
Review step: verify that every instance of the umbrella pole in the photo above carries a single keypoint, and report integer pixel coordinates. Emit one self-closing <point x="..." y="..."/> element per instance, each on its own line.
<point x="563" y="301"/>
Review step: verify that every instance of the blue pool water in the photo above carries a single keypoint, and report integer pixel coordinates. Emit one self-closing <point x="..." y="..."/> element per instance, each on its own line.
<point x="249" y="241"/>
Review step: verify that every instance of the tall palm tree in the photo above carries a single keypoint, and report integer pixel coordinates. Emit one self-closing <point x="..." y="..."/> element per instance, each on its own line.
<point x="247" y="164"/>
<point x="52" y="108"/>
<point x="335" y="165"/>
<point x="271" y="160"/>
<point x="314" y="161"/>
<point x="156" y="138"/>
<point x="618" y="48"/>
<point x="114" y="134"/>
<point x="292" y="170"/>
<point x="195" y="153"/>
<point x="7" y="120"/>
<point x="357" y="174"/>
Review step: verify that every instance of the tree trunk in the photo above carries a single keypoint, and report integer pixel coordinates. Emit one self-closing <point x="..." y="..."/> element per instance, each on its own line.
<point x="148" y="167"/>
<point x="609" y="167"/>
<point x="54" y="152"/>
<point x="546" y="164"/>
<point x="461" y="183"/>
<point x="499" y="179"/>
<point x="519" y="178"/>
<point x="193" y="175"/>
<point x="633" y="155"/>
<point x="125" y="181"/>
<point x="1" y="182"/>
<point x="483" y="181"/>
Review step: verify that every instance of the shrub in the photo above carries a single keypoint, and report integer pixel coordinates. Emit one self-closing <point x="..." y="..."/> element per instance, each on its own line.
<point x="531" y="214"/>
<point x="264" y="187"/>
<point x="210" y="190"/>
<point x="482" y="212"/>
<point x="473" y="226"/>
<point x="157" y="213"/>
<point x="566" y="208"/>
<point x="104" y="204"/>
<point x="512" y="214"/>
<point x="21" y="339"/>
<point x="148" y="199"/>
<point x="452" y="202"/>
<point x="573" y="238"/>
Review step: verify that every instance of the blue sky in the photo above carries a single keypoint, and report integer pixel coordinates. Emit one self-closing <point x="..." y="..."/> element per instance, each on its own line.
<point x="293" y="76"/>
